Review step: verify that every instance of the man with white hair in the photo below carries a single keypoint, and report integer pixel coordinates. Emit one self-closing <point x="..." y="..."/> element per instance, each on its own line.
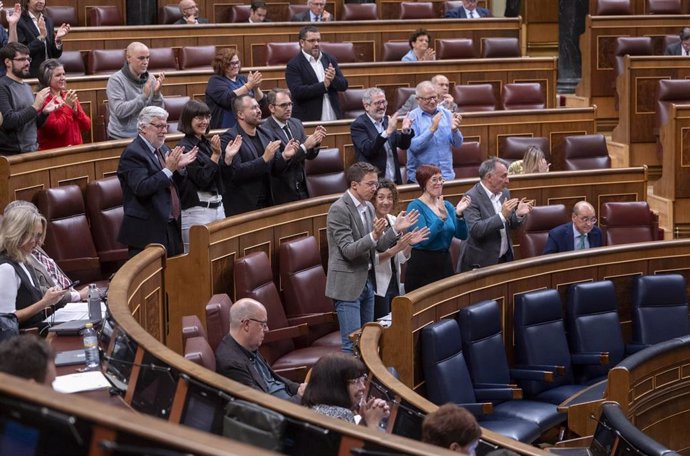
<point x="149" y="173"/>
<point x="190" y="13"/>
<point x="316" y="12"/>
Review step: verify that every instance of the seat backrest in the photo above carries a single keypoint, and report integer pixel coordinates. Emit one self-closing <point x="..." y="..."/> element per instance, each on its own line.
<point x="401" y="96"/>
<point x="344" y="52"/>
<point x="594" y="326"/>
<point x="500" y="47"/>
<point x="68" y="237"/>
<point x="669" y="40"/>
<point x="626" y="222"/>
<point x="670" y="91"/>
<point x="239" y="13"/>
<point x="174" y="105"/>
<point x="303" y="277"/>
<point x="296" y="9"/>
<point x="192" y="327"/>
<point x="474" y="97"/>
<point x="613" y="7"/>
<point x="163" y="59"/>
<point x="104" y="15"/>
<point x="417" y="10"/>
<point x="540" y="337"/>
<point x="457" y="48"/>
<point x="585" y="152"/>
<point x="105" y="61"/>
<point x="218" y="318"/>
<point x="482" y="343"/>
<point x="664" y="7"/>
<point x="630" y="45"/>
<point x="281" y="53"/>
<point x="73" y="61"/>
<point x="169" y="14"/>
<point x="659" y="308"/>
<point x="514" y="147"/>
<point x="443" y="362"/>
<point x="451" y="5"/>
<point x="196" y="57"/>
<point x="523" y="95"/>
<point x="105" y="212"/>
<point x="197" y="350"/>
<point x="402" y="159"/>
<point x="62" y="14"/>
<point x="351" y="103"/>
<point x="326" y="173"/>
<point x="393" y="51"/>
<point x="467" y="158"/>
<point x="359" y="12"/>
<point x="535" y="231"/>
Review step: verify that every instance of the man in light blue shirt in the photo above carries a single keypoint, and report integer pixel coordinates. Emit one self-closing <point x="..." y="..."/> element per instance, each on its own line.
<point x="436" y="130"/>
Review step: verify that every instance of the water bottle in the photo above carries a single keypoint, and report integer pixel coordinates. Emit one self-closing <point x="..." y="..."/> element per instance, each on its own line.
<point x="90" y="346"/>
<point x="94" y="299"/>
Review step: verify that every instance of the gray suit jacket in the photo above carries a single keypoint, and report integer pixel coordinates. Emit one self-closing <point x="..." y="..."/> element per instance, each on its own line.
<point x="483" y="224"/>
<point x="350" y="249"/>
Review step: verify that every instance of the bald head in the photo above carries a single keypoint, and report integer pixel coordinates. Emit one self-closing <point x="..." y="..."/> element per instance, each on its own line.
<point x="581" y="206"/>
<point x="441" y="84"/>
<point x="137" y="56"/>
<point x="248" y="323"/>
<point x="584" y="217"/>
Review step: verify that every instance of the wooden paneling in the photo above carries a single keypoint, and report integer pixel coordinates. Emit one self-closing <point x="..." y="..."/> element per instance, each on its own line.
<point x="639" y="7"/>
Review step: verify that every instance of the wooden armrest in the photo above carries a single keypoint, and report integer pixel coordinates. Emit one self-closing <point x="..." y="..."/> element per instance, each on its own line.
<point x="313" y="319"/>
<point x="288" y="332"/>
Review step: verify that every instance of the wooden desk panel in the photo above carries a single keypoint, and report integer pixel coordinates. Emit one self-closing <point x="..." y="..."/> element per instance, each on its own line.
<point x="639" y="7"/>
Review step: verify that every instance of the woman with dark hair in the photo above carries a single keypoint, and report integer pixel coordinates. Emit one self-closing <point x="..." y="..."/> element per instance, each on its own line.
<point x="227" y="84"/>
<point x="419" y="47"/>
<point x="430" y="259"/>
<point x="200" y="194"/>
<point x="336" y="388"/>
<point x="64" y="124"/>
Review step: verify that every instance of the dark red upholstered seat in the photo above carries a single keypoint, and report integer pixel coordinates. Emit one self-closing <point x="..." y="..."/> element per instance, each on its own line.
<point x="626" y="222"/>
<point x="474" y="97"/>
<point x="417" y="10"/>
<point x="467" y="158"/>
<point x="500" y="47"/>
<point x="613" y="7"/>
<point x="217" y="318"/>
<point x="104" y="208"/>
<point x="585" y="152"/>
<point x="535" y="231"/>
<point x="359" y="12"/>
<point x="457" y="48"/>
<point x="197" y="350"/>
<point x="523" y="95"/>
<point x="351" y="103"/>
<point x="514" y="147"/>
<point x="326" y="173"/>
<point x="104" y="15"/>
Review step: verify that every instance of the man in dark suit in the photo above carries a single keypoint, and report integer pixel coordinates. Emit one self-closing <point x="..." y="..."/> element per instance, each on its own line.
<point x="581" y="233"/>
<point x="248" y="178"/>
<point x="376" y="138"/>
<point x="149" y="173"/>
<point x="238" y="357"/>
<point x="314" y="79"/>
<point x="190" y="13"/>
<point x="682" y="47"/>
<point x="490" y="217"/>
<point x="35" y="30"/>
<point x="290" y="184"/>
<point x="257" y="12"/>
<point x="316" y="12"/>
<point x="468" y="10"/>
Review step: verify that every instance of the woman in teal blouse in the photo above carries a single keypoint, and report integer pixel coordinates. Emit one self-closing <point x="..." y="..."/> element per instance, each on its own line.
<point x="430" y="260"/>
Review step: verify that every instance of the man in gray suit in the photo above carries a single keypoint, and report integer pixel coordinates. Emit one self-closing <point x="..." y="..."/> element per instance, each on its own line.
<point x="490" y="217"/>
<point x="354" y="235"/>
<point x="683" y="46"/>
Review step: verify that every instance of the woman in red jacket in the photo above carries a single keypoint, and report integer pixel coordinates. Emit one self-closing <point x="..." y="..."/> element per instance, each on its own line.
<point x="64" y="125"/>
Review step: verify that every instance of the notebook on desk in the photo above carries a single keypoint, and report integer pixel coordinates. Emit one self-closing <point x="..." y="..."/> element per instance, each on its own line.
<point x="70" y="357"/>
<point x="72" y="328"/>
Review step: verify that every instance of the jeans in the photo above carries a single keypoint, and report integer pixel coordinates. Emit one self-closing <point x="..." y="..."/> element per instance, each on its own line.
<point x="352" y="315"/>
<point x="198" y="215"/>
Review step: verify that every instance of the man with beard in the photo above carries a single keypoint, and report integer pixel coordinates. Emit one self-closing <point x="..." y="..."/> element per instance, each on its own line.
<point x="376" y="138"/>
<point x="37" y="32"/>
<point x="21" y="113"/>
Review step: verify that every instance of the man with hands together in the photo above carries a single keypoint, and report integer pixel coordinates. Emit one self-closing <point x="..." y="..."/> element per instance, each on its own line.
<point x="37" y="32"/>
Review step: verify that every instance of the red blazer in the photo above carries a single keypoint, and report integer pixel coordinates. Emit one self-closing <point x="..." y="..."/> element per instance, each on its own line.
<point x="63" y="127"/>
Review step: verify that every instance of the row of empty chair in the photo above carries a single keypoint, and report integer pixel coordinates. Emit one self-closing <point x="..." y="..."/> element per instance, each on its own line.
<point x="96" y="16"/>
<point x="625" y="7"/>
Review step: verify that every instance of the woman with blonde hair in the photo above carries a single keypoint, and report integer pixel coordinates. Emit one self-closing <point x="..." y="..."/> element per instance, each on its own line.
<point x="534" y="161"/>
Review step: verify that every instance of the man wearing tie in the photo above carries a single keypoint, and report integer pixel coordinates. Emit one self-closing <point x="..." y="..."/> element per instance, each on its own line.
<point x="376" y="138"/>
<point x="683" y="47"/>
<point x="468" y="10"/>
<point x="149" y="173"/>
<point x="316" y="12"/>
<point x="581" y="233"/>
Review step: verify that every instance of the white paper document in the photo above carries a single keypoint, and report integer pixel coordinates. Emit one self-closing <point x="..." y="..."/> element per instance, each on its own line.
<point x="84" y="381"/>
<point x="73" y="311"/>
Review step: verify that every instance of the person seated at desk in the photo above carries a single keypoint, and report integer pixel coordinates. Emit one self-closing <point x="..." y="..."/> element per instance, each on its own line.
<point x="190" y="13"/>
<point x="30" y="357"/>
<point x="257" y="12"/>
<point x="580" y="233"/>
<point x="452" y="427"/>
<point x="419" y="47"/>
<point x="682" y="47"/>
<point x="316" y="12"/>
<point x="534" y="161"/>
<point x="238" y="357"/>
<point x="468" y="10"/>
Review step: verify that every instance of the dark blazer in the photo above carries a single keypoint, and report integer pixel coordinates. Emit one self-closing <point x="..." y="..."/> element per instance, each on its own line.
<point x="459" y="12"/>
<point x="369" y="144"/>
<point x="307" y="92"/>
<point x="235" y="362"/>
<point x="203" y="175"/>
<point x="562" y="239"/>
<point x="146" y="197"/>
<point x="199" y="20"/>
<point x="483" y="224"/>
<point x="291" y="183"/>
<point x="27" y="34"/>
<point x="674" y="49"/>
<point x="301" y="17"/>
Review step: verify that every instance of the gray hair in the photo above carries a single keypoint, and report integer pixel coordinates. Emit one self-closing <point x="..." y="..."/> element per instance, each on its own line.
<point x="490" y="165"/>
<point x="148" y="114"/>
<point x="423" y="85"/>
<point x="370" y="93"/>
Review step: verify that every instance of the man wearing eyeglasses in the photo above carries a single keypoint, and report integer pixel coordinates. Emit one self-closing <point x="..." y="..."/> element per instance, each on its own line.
<point x="290" y="183"/>
<point x="190" y="13"/>
<point x="238" y="357"/>
<point x="468" y="10"/>
<point x="130" y="90"/>
<point x="580" y="233"/>
<point x="316" y="12"/>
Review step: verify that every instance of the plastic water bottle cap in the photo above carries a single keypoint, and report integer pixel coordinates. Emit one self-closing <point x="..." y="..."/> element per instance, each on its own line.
<point x="88" y="325"/>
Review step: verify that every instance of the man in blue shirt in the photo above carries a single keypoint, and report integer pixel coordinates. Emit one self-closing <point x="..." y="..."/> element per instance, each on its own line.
<point x="436" y="131"/>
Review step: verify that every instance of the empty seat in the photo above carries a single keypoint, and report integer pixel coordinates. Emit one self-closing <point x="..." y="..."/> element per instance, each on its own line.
<point x="217" y="318"/>
<point x="343" y="52"/>
<point x="197" y="350"/>
<point x="474" y="97"/>
<point x="458" y="48"/>
<point x="393" y="51"/>
<point x="417" y="10"/>
<point x="192" y="327"/>
<point x="523" y="95"/>
<point x="162" y="59"/>
<point x="359" y="12"/>
<point x="626" y="222"/>
<point x="351" y="103"/>
<point x="664" y="7"/>
<point x="196" y="57"/>
<point x="174" y="105"/>
<point x="68" y="238"/>
<point x="535" y="231"/>
<point x="104" y="209"/>
<point x="62" y="14"/>
<point x="105" y="61"/>
<point x="326" y="173"/>
<point x="281" y="53"/>
<point x="495" y="48"/>
<point x="239" y="13"/>
<point x="73" y="61"/>
<point x="613" y="7"/>
<point x="630" y="45"/>
<point x="466" y="160"/>
<point x="585" y="152"/>
<point x="670" y="91"/>
<point x="169" y="14"/>
<point x="514" y="147"/>
<point x="104" y="15"/>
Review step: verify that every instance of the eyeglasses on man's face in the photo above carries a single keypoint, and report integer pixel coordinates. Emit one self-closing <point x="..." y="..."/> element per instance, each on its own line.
<point x="591" y="220"/>
<point x="159" y="127"/>
<point x="263" y="323"/>
<point x="428" y="99"/>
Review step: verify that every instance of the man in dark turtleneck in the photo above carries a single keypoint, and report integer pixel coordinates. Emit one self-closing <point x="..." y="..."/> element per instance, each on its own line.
<point x="130" y="90"/>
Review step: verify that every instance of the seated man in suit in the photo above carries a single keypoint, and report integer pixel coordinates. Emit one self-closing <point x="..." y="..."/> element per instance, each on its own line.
<point x="238" y="357"/>
<point x="314" y="79"/>
<point x="581" y="233"/>
<point x="316" y="12"/>
<point x="257" y="12"/>
<point x="683" y="47"/>
<point x="190" y="13"/>
<point x="376" y="138"/>
<point x="28" y="356"/>
<point x="468" y="10"/>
